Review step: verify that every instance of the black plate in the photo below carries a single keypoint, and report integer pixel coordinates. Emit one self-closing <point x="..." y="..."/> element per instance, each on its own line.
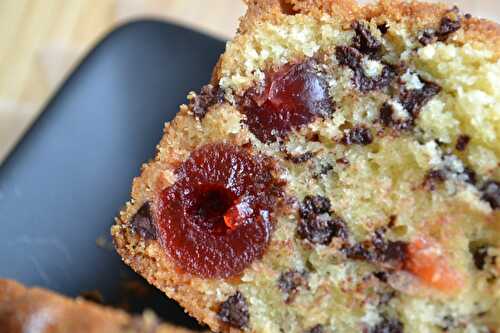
<point x="64" y="183"/>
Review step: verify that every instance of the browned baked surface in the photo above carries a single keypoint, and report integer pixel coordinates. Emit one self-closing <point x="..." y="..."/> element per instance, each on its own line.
<point x="411" y="178"/>
<point x="36" y="310"/>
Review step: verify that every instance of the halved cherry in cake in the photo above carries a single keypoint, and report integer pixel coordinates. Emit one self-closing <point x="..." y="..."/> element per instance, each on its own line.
<point x="293" y="96"/>
<point x="215" y="219"/>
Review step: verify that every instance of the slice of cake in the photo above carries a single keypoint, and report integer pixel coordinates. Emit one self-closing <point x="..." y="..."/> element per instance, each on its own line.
<point x="340" y="173"/>
<point x="35" y="310"/>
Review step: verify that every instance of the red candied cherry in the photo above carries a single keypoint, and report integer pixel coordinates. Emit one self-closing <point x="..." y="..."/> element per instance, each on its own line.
<point x="215" y="219"/>
<point x="293" y="96"/>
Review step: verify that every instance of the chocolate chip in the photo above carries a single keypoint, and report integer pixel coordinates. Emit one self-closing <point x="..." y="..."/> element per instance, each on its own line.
<point x="392" y="221"/>
<point x="462" y="142"/>
<point x="142" y="222"/>
<point x="364" y="41"/>
<point x="479" y="255"/>
<point x="382" y="276"/>
<point x="358" y="135"/>
<point x="383" y="28"/>
<point x="324" y="169"/>
<point x="321" y="229"/>
<point x="316" y="329"/>
<point x="386" y="118"/>
<point x="290" y="282"/>
<point x="313" y="205"/>
<point x="348" y="56"/>
<point x="234" y="311"/>
<point x="317" y="223"/>
<point x="301" y="158"/>
<point x="365" y="83"/>
<point x="378" y="250"/>
<point x="394" y="251"/>
<point x="208" y="96"/>
<point x="468" y="16"/>
<point x="447" y="323"/>
<point x="469" y="176"/>
<point x="491" y="193"/>
<point x="448" y="26"/>
<point x="387" y="325"/>
<point x="389" y="251"/>
<point x="351" y="57"/>
<point x="359" y="251"/>
<point x="427" y="37"/>
<point x="414" y="99"/>
<point x="432" y="178"/>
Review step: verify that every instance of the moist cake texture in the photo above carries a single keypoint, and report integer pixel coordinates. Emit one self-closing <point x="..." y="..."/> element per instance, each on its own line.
<point x="36" y="310"/>
<point x="339" y="173"/>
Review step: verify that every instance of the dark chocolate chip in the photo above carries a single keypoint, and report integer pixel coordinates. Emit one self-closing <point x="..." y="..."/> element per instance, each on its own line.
<point x="382" y="276"/>
<point x="448" y="26"/>
<point x="479" y="255"/>
<point x="462" y="142"/>
<point x="394" y="251"/>
<point x="427" y="37"/>
<point x="321" y="229"/>
<point x="365" y="83"/>
<point x="432" y="178"/>
<point x="324" y="169"/>
<point x="491" y="193"/>
<point x="290" y="282"/>
<point x="383" y="28"/>
<point x="414" y="99"/>
<point x="468" y="16"/>
<point x="348" y="56"/>
<point x="234" y="311"/>
<point x="208" y="96"/>
<point x="359" y="251"/>
<point x="301" y="158"/>
<point x="313" y="205"/>
<point x="358" y="135"/>
<point x="448" y="322"/>
<point x="469" y="176"/>
<point x="386" y="118"/>
<point x="388" y="325"/>
<point x="378" y="249"/>
<point x="364" y="41"/>
<point x="351" y="57"/>
<point x="392" y="221"/>
<point x="316" y="329"/>
<point x="317" y="223"/>
<point x="378" y="240"/>
<point x="142" y="222"/>
<point x="389" y="251"/>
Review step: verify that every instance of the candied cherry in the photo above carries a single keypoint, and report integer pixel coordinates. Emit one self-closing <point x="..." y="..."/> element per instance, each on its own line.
<point x="292" y="96"/>
<point x="215" y="219"/>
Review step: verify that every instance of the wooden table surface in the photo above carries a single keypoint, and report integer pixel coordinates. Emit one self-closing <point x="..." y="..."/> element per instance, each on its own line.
<point x="41" y="40"/>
